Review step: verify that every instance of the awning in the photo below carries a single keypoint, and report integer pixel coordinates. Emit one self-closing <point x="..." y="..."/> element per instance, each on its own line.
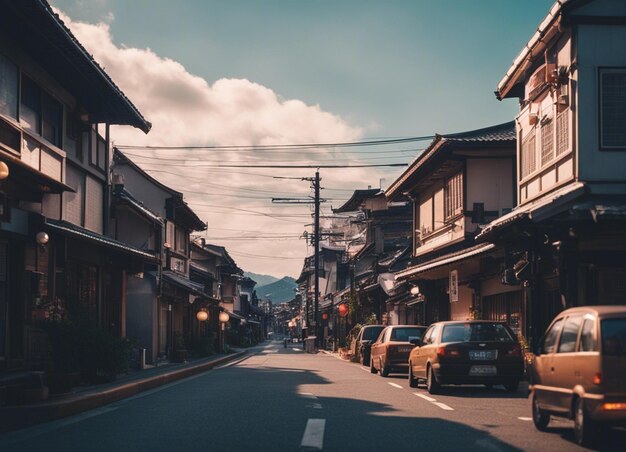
<point x="184" y="283"/>
<point x="32" y="177"/>
<point x="539" y="210"/>
<point x="446" y="259"/>
<point x="89" y="236"/>
<point x="598" y="210"/>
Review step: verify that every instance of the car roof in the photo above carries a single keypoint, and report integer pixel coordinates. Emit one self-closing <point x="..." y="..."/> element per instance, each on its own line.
<point x="600" y="311"/>
<point x="407" y="326"/>
<point x="372" y="326"/>
<point x="462" y="322"/>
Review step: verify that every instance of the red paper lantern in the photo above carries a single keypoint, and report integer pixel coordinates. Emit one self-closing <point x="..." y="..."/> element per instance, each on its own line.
<point x="324" y="316"/>
<point x="343" y="310"/>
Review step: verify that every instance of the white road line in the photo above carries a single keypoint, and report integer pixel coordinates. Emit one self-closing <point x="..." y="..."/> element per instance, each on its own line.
<point x="366" y="369"/>
<point x="308" y="395"/>
<point x="394" y="385"/>
<point x="313" y="438"/>
<point x="525" y="418"/>
<point x="425" y="397"/>
<point x="443" y="406"/>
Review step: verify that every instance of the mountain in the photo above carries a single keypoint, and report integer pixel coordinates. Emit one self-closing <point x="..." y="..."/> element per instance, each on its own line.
<point x="261" y="280"/>
<point x="278" y="291"/>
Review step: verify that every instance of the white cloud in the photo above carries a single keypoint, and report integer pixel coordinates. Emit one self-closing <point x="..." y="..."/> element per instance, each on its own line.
<point x="187" y="110"/>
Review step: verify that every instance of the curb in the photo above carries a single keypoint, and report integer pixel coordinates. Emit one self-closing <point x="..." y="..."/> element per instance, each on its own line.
<point x="21" y="416"/>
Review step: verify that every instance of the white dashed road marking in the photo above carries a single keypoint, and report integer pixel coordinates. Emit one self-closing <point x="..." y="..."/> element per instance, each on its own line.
<point x="313" y="438"/>
<point x="525" y="418"/>
<point x="394" y="385"/>
<point x="425" y="397"/>
<point x="443" y="406"/>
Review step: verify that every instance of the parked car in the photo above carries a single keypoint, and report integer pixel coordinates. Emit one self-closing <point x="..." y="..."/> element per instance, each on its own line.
<point x="466" y="352"/>
<point x="364" y="340"/>
<point x="579" y="371"/>
<point x="391" y="350"/>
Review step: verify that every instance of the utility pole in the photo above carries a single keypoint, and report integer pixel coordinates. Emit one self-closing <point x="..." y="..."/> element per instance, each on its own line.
<point x="316" y="235"/>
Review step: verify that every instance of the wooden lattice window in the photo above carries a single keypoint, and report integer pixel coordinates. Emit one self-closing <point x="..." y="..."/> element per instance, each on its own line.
<point x="562" y="133"/>
<point x="547" y="143"/>
<point x="453" y="196"/>
<point x="528" y="158"/>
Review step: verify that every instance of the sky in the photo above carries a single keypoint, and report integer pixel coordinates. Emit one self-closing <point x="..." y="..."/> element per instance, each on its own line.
<point x="250" y="73"/>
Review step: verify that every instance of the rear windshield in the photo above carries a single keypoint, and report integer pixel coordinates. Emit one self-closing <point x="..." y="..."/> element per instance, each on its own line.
<point x="469" y="332"/>
<point x="406" y="334"/>
<point x="614" y="337"/>
<point x="369" y="334"/>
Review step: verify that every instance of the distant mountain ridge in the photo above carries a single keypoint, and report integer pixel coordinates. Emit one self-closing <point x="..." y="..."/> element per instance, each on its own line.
<point x="261" y="280"/>
<point x="278" y="291"/>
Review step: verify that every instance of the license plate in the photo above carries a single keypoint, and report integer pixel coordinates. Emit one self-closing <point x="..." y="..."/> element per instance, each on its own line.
<point x="483" y="370"/>
<point x="483" y="355"/>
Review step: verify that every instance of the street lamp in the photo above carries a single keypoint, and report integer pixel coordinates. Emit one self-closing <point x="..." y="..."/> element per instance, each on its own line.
<point x="224" y="318"/>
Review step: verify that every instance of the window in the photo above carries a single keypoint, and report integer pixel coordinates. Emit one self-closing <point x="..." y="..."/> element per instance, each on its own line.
<point x="550" y="338"/>
<point x="547" y="143"/>
<point x="8" y="87"/>
<point x="612" y="108"/>
<point x="471" y="332"/>
<point x="453" y="204"/>
<point x="406" y="334"/>
<point x="528" y="159"/>
<point x="567" y="344"/>
<point x="587" y="341"/>
<point x="41" y="113"/>
<point x="562" y="133"/>
<point x="51" y="120"/>
<point x="614" y="337"/>
<point x="426" y="216"/>
<point x="181" y="240"/>
<point x="30" y="107"/>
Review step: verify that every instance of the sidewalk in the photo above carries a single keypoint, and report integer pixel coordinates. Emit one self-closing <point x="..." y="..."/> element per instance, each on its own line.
<point x="90" y="397"/>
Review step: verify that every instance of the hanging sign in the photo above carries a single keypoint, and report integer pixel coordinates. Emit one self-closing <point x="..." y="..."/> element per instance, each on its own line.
<point x="454" y="286"/>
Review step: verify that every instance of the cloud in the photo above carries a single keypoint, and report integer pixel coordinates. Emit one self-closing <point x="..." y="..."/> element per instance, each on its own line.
<point x="187" y="110"/>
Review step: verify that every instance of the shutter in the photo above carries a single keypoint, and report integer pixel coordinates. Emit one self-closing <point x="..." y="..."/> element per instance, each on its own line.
<point x="94" y="202"/>
<point x="73" y="202"/>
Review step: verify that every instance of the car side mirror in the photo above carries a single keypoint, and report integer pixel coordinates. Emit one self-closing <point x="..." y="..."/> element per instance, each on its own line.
<point x="417" y="342"/>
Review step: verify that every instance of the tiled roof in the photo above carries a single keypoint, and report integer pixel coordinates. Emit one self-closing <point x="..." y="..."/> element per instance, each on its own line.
<point x="353" y="204"/>
<point x="139" y="206"/>
<point x="57" y="48"/>
<point x="184" y="283"/>
<point x="501" y="132"/>
<point x="85" y="234"/>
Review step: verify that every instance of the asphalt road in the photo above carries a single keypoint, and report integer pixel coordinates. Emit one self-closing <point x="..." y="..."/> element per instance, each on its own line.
<point x="285" y="400"/>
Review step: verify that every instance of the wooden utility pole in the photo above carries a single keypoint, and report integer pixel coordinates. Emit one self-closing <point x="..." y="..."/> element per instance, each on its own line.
<point x="316" y="236"/>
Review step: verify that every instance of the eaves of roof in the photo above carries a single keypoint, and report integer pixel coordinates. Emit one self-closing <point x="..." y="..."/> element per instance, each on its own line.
<point x="126" y="197"/>
<point x="357" y="198"/>
<point x="475" y="139"/>
<point x="122" y="159"/>
<point x="50" y="42"/>
<point x="84" y="234"/>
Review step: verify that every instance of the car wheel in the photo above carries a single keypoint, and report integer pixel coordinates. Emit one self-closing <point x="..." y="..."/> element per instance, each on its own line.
<point x="512" y="387"/>
<point x="541" y="419"/>
<point x="412" y="381"/>
<point x="384" y="370"/>
<point x="372" y="368"/>
<point x="432" y="385"/>
<point x="585" y="430"/>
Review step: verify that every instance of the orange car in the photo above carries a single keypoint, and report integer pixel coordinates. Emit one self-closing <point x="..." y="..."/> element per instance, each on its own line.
<point x="391" y="350"/>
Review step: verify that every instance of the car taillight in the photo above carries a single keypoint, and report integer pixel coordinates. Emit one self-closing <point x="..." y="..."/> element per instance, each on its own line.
<point x="515" y="351"/>
<point x="448" y="352"/>
<point x="597" y="378"/>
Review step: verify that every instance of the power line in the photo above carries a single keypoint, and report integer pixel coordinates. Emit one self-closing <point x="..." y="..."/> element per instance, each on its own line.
<point x="377" y="165"/>
<point x="287" y="146"/>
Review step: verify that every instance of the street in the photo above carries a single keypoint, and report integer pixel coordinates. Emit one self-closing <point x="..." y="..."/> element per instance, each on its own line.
<point x="284" y="399"/>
